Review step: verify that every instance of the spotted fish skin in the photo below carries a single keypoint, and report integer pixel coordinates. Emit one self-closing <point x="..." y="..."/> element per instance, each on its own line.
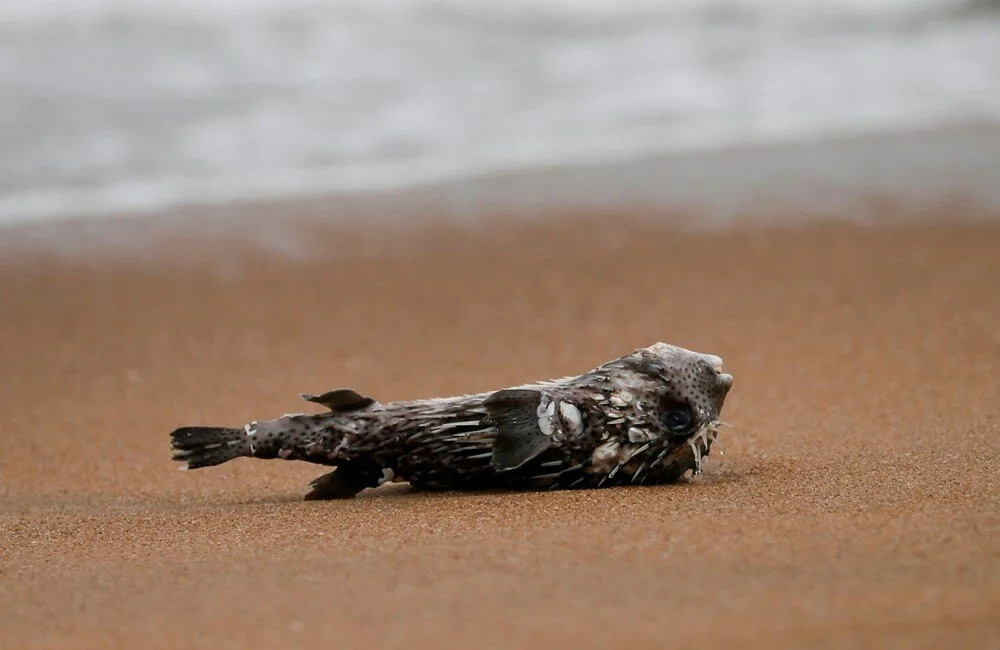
<point x="644" y="418"/>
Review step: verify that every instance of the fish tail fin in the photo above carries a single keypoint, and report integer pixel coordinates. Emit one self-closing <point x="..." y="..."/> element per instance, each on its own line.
<point x="207" y="446"/>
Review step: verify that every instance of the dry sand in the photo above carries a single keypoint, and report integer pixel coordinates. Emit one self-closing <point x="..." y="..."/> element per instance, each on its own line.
<point x="856" y="503"/>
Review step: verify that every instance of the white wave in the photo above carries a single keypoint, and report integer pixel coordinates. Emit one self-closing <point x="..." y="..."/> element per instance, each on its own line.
<point x="121" y="105"/>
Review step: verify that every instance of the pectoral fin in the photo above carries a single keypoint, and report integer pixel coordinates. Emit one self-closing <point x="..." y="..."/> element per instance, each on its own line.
<point x="514" y="412"/>
<point x="343" y="399"/>
<point x="345" y="481"/>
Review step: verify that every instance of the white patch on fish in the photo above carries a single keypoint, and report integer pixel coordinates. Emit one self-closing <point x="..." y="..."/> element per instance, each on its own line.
<point x="635" y="434"/>
<point x="618" y="400"/>
<point x="605" y="457"/>
<point x="571" y="417"/>
<point x="546" y="409"/>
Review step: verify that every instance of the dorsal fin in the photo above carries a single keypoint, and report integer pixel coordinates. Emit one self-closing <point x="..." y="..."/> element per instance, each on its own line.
<point x="514" y="412"/>
<point x="342" y="399"/>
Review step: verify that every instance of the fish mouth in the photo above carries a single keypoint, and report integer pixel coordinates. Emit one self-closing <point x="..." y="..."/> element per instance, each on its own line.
<point x="712" y="360"/>
<point x="700" y="443"/>
<point x="725" y="379"/>
<point x="715" y="362"/>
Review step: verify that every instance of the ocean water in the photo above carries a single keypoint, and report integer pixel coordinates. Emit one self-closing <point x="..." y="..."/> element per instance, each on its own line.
<point x="132" y="105"/>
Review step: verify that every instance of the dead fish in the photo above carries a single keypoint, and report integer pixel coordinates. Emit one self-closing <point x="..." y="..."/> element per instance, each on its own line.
<point x="644" y="418"/>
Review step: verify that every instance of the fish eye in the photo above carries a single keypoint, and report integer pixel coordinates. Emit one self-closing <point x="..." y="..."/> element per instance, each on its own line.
<point x="677" y="420"/>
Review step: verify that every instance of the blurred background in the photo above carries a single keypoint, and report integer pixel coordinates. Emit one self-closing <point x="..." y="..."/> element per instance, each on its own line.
<point x="125" y="105"/>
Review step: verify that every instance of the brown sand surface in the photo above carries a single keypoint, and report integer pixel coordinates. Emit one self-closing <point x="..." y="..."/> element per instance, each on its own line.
<point x="857" y="503"/>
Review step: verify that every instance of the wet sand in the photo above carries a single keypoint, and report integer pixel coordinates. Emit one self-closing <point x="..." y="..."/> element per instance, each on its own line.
<point x="856" y="503"/>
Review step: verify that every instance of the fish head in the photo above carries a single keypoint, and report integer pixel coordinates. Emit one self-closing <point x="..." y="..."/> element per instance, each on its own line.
<point x="663" y="402"/>
<point x="691" y="387"/>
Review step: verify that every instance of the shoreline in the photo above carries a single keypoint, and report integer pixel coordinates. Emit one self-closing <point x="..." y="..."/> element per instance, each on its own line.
<point x="850" y="178"/>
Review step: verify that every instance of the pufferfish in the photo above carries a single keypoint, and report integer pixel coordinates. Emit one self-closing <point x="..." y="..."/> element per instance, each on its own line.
<point x="644" y="418"/>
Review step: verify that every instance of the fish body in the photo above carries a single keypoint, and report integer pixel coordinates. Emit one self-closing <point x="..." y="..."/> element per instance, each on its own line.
<point x="644" y="418"/>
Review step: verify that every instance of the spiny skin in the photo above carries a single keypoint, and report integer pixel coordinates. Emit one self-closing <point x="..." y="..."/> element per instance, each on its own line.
<point x="605" y="427"/>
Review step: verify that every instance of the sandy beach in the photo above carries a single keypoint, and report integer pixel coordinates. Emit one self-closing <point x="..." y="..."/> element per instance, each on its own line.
<point x="856" y="504"/>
